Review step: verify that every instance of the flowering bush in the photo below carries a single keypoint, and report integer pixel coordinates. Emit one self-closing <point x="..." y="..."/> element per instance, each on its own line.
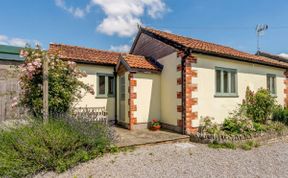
<point x="238" y="125"/>
<point x="65" y="88"/>
<point x="155" y="123"/>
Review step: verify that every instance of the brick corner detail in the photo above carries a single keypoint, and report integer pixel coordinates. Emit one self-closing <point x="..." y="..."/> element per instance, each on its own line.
<point x="131" y="100"/>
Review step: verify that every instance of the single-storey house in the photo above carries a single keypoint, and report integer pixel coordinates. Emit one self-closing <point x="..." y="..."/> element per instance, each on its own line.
<point x="173" y="78"/>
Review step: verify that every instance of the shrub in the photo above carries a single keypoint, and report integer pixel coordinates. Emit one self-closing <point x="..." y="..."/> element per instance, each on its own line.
<point x="238" y="126"/>
<point x="208" y="126"/>
<point x="63" y="76"/>
<point x="280" y="114"/>
<point x="260" y="127"/>
<point x="258" y="106"/>
<point x="57" y="146"/>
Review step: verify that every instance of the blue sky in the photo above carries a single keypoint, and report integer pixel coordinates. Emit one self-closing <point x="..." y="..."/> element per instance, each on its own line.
<point x="111" y="24"/>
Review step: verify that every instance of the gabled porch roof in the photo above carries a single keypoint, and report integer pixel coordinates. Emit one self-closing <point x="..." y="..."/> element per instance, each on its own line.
<point x="136" y="63"/>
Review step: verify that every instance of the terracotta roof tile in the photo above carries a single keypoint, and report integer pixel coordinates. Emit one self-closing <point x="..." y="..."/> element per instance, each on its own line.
<point x="140" y="62"/>
<point x="215" y="49"/>
<point x="85" y="55"/>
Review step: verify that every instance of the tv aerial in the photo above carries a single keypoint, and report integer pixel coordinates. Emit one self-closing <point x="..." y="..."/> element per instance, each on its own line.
<point x="260" y="30"/>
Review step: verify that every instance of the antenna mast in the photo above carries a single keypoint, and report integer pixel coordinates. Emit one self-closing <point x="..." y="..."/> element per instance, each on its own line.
<point x="260" y="29"/>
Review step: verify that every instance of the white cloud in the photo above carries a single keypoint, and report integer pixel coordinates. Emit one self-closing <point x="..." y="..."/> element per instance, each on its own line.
<point x="121" y="16"/>
<point x="120" y="48"/>
<point x="122" y="26"/>
<point x="167" y="30"/>
<point x="5" y="40"/>
<point x="156" y="8"/>
<point x="18" y="42"/>
<point x="76" y="12"/>
<point x="285" y="55"/>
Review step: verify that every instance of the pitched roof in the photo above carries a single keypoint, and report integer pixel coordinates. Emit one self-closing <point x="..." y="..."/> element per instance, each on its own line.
<point x="10" y="49"/>
<point x="141" y="62"/>
<point x="11" y="53"/>
<point x="84" y="55"/>
<point x="199" y="46"/>
<point x="272" y="56"/>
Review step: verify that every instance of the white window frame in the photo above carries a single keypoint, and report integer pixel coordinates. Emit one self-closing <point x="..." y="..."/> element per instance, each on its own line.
<point x="270" y="77"/>
<point x="106" y="85"/>
<point x="229" y="93"/>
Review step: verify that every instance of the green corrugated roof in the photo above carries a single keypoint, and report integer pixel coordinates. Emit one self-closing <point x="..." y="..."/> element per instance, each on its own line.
<point x="10" y="49"/>
<point x="11" y="53"/>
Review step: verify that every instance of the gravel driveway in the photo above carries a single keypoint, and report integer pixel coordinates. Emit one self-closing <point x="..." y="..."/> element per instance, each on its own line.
<point x="187" y="160"/>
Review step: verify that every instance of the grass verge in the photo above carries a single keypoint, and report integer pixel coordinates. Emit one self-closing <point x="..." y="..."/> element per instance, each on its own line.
<point x="226" y="145"/>
<point x="248" y="145"/>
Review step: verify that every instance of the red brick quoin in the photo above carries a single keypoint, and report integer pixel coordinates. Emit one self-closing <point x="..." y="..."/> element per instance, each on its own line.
<point x="189" y="74"/>
<point x="131" y="103"/>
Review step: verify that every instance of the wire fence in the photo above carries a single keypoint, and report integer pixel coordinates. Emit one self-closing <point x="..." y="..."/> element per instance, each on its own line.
<point x="85" y="114"/>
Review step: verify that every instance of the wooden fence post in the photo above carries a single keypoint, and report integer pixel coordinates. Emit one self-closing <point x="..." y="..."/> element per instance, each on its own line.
<point x="45" y="89"/>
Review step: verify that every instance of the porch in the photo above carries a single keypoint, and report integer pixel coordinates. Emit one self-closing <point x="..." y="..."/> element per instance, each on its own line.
<point x="145" y="137"/>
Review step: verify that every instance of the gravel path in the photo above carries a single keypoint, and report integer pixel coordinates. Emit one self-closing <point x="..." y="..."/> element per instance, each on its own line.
<point x="187" y="160"/>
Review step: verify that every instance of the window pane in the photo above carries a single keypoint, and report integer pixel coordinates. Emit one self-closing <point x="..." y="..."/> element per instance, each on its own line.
<point x="225" y="78"/>
<point x="268" y="83"/>
<point x="271" y="84"/>
<point x="101" y="85"/>
<point x="233" y="82"/>
<point x="273" y="89"/>
<point x="110" y="85"/>
<point x="218" y="81"/>
<point x="122" y="88"/>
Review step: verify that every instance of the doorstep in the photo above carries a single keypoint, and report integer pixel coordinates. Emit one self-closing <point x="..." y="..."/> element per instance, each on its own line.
<point x="140" y="137"/>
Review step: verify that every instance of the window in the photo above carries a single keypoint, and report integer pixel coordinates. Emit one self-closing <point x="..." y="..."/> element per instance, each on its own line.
<point x="271" y="83"/>
<point x="105" y="85"/>
<point x="110" y="85"/>
<point x="101" y="85"/>
<point x="226" y="82"/>
<point x="122" y="87"/>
